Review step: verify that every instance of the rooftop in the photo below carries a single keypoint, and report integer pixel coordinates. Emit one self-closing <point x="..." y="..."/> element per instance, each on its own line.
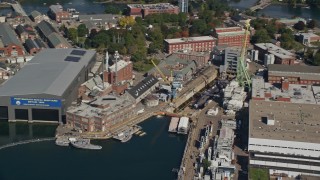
<point x="7" y="35"/>
<point x="292" y="121"/>
<point x="120" y="64"/>
<point x="111" y="103"/>
<point x="143" y="86"/>
<point x="56" y="8"/>
<point x="293" y="68"/>
<point x="302" y="94"/>
<point x="183" y="40"/>
<point x="153" y="6"/>
<point x="99" y="17"/>
<point x="308" y="35"/>
<point x="275" y="50"/>
<point x="49" y="72"/>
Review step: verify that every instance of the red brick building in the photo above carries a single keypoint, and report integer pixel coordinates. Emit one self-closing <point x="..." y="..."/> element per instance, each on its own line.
<point x="145" y="9"/>
<point x="10" y="45"/>
<point x="57" y="13"/>
<point x="231" y="36"/>
<point x="281" y="55"/>
<point x="295" y="74"/>
<point x="198" y="44"/>
<point x="201" y="58"/>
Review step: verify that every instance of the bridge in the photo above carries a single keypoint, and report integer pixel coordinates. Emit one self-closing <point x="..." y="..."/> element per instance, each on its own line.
<point x="26" y="142"/>
<point x="261" y="5"/>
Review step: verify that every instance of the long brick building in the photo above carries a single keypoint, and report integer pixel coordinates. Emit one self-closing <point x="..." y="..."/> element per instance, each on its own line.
<point x="295" y="74"/>
<point x="231" y="36"/>
<point x="145" y="9"/>
<point x="198" y="44"/>
<point x="281" y="56"/>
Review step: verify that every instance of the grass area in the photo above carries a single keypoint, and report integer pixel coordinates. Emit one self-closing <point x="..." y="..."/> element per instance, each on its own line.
<point x="258" y="174"/>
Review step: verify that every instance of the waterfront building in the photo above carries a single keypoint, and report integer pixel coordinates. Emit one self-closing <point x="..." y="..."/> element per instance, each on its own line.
<point x="231" y="36"/>
<point x="198" y="44"/>
<point x="101" y="114"/>
<point x="48" y="84"/>
<point x="281" y="56"/>
<point x="10" y="44"/>
<point x="295" y="74"/>
<point x="145" y="9"/>
<point x="57" y="13"/>
<point x="143" y="88"/>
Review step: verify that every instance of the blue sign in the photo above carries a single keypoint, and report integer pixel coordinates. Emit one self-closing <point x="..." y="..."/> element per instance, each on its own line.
<point x="35" y="102"/>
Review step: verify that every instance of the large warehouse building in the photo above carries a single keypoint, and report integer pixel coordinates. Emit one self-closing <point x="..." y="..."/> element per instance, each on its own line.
<point x="46" y="86"/>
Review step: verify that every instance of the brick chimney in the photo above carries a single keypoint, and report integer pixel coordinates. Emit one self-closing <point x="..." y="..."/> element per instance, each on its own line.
<point x="284" y="84"/>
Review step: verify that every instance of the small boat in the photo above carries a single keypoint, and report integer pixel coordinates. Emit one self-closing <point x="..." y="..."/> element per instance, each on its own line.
<point x="126" y="138"/>
<point x="143" y="134"/>
<point x="307" y="7"/>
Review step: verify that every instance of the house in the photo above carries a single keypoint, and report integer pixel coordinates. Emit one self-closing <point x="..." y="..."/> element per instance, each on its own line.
<point x="33" y="46"/>
<point x="25" y="32"/>
<point x="10" y="44"/>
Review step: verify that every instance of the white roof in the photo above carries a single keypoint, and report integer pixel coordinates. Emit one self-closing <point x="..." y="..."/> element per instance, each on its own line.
<point x="183" y="40"/>
<point x="183" y="123"/>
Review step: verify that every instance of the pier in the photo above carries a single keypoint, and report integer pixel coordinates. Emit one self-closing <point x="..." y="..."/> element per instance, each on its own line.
<point x="16" y="6"/>
<point x="26" y="142"/>
<point x="261" y="4"/>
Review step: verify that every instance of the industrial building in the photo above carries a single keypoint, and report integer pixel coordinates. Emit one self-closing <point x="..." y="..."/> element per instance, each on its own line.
<point x="10" y="45"/>
<point x="280" y="55"/>
<point x="201" y="58"/>
<point x="296" y="74"/>
<point x="143" y="88"/>
<point x="99" y="21"/>
<point x="284" y="137"/>
<point x="48" y="84"/>
<point x="231" y="36"/>
<point x="198" y="44"/>
<point x="145" y="9"/>
<point x="57" y="13"/>
<point x="101" y="114"/>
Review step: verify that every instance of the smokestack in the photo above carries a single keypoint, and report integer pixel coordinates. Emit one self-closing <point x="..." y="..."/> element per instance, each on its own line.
<point x="284" y="84"/>
<point x="116" y="55"/>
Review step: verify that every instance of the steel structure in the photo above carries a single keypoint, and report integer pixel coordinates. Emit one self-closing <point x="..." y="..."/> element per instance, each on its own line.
<point x="242" y="74"/>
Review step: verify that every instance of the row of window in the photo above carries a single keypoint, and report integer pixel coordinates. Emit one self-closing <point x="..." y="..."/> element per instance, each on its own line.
<point x="284" y="147"/>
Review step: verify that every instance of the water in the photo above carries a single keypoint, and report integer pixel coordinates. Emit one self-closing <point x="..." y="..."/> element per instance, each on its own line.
<point x="149" y="157"/>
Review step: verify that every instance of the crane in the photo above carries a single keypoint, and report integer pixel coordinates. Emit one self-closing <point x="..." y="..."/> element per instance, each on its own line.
<point x="160" y="72"/>
<point x="242" y="74"/>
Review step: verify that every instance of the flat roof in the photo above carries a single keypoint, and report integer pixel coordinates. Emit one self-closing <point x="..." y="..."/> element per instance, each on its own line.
<point x="275" y="50"/>
<point x="293" y="121"/>
<point x="190" y="39"/>
<point x="47" y="73"/>
<point x="231" y="33"/>
<point x="159" y="6"/>
<point x="294" y="68"/>
<point x="304" y="94"/>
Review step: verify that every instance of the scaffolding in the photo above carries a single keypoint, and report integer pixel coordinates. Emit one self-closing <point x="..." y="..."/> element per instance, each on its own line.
<point x="242" y="74"/>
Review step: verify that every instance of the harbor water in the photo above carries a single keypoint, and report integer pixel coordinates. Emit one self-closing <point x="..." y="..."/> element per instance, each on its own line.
<point x="152" y="156"/>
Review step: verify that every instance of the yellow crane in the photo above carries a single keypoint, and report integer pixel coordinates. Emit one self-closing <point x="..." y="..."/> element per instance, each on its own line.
<point x="160" y="72"/>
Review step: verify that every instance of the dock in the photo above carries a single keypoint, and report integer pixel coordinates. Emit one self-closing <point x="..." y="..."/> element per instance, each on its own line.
<point x="261" y="4"/>
<point x="18" y="8"/>
<point x="173" y="124"/>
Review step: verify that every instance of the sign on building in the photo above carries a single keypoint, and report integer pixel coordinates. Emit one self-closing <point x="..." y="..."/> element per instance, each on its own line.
<point x="35" y="102"/>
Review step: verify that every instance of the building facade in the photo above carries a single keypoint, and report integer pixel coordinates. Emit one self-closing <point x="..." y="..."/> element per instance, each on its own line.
<point x="145" y="9"/>
<point x="201" y="58"/>
<point x="281" y="56"/>
<point x="296" y="74"/>
<point x="43" y="89"/>
<point x="57" y="13"/>
<point x="198" y="44"/>
<point x="10" y="44"/>
<point x="231" y="36"/>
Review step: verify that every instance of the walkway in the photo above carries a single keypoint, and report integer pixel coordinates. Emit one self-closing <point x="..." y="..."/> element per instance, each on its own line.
<point x="261" y="5"/>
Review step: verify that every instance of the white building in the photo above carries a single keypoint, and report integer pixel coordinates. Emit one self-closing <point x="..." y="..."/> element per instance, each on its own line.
<point x="183" y="125"/>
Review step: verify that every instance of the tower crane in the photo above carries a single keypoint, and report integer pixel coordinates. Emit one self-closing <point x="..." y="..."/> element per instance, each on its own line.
<point x="243" y="77"/>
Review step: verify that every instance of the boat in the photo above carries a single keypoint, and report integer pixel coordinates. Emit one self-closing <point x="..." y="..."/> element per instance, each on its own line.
<point x="84" y="144"/>
<point x="62" y="142"/>
<point x="142" y="134"/>
<point x="126" y="138"/>
<point x="307" y="7"/>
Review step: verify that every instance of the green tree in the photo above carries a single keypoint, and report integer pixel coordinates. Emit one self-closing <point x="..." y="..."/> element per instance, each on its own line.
<point x="299" y="25"/>
<point x="199" y="26"/>
<point x="206" y="164"/>
<point x="261" y="36"/>
<point x="316" y="59"/>
<point x="82" y="30"/>
<point x="113" y="9"/>
<point x="311" y="24"/>
<point x="72" y="34"/>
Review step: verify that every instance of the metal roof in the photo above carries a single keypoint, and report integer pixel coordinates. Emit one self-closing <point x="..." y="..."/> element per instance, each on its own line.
<point x="46" y="73"/>
<point x="36" y="43"/>
<point x="46" y="28"/>
<point x="55" y="39"/>
<point x="143" y="86"/>
<point x="35" y="14"/>
<point x="7" y="35"/>
<point x="294" y="68"/>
